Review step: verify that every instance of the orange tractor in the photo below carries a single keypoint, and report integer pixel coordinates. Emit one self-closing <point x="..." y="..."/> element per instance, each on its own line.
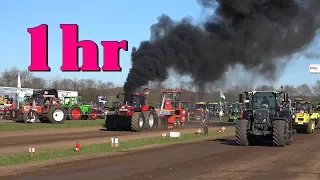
<point x="133" y="115"/>
<point x="43" y="105"/>
<point x="172" y="110"/>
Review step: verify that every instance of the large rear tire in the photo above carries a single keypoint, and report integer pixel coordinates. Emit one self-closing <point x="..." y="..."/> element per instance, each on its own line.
<point x="137" y="122"/>
<point x="149" y="117"/>
<point x="242" y="132"/>
<point x="57" y="115"/>
<point x="279" y="133"/>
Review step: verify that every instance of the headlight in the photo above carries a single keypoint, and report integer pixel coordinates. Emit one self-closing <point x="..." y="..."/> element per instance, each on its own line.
<point x="301" y="111"/>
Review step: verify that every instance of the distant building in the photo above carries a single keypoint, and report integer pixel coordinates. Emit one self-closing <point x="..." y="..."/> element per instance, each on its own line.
<point x="28" y="91"/>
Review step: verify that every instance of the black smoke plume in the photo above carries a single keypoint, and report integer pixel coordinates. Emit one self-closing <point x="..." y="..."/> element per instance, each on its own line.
<point x="252" y="33"/>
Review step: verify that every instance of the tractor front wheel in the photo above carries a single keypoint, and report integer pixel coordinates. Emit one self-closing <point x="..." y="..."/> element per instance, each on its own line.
<point x="311" y="127"/>
<point x="93" y="114"/>
<point x="57" y="115"/>
<point x="74" y="113"/>
<point x="242" y="132"/>
<point x="137" y="122"/>
<point x="30" y="117"/>
<point x="279" y="133"/>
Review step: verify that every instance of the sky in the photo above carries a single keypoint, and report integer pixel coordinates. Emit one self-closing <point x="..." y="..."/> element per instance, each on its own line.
<point x="103" y="20"/>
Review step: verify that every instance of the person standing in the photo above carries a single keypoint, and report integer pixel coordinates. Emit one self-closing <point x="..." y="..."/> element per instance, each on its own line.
<point x="204" y="122"/>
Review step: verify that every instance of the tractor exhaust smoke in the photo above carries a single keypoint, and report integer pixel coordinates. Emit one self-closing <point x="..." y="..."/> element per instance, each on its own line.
<point x="252" y="33"/>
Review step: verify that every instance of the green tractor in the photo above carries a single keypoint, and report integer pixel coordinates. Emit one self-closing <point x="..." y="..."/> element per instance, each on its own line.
<point x="78" y="110"/>
<point x="234" y="111"/>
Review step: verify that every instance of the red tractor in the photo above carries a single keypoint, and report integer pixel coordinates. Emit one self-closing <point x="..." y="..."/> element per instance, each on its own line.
<point x="133" y="115"/>
<point x="172" y="109"/>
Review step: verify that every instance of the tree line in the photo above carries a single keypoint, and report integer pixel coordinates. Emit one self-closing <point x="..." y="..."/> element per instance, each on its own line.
<point x="90" y="88"/>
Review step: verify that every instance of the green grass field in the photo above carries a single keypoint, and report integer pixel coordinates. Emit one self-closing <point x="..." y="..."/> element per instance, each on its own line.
<point x="42" y="155"/>
<point x="8" y="126"/>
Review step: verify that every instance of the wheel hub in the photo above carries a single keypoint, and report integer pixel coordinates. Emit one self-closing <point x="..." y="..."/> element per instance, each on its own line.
<point x="58" y="115"/>
<point x="151" y="120"/>
<point x="140" y="122"/>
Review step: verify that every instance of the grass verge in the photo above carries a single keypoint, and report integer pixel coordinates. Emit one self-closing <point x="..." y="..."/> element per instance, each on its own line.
<point x="6" y="126"/>
<point x="49" y="154"/>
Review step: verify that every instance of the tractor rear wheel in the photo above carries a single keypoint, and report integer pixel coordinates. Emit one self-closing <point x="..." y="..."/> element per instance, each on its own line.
<point x="242" y="138"/>
<point x="149" y="117"/>
<point x="57" y="115"/>
<point x="93" y="114"/>
<point x="279" y="133"/>
<point x="137" y="122"/>
<point x="74" y="113"/>
<point x="30" y="117"/>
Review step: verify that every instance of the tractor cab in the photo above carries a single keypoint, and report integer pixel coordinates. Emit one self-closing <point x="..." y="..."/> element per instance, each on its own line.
<point x="301" y="106"/>
<point x="134" y="101"/>
<point x="185" y="105"/>
<point x="171" y="99"/>
<point x="72" y="100"/>
<point x="53" y="92"/>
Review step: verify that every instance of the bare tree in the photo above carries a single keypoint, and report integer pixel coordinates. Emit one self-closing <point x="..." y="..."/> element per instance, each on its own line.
<point x="291" y="90"/>
<point x="90" y="88"/>
<point x="316" y="89"/>
<point x="304" y="90"/>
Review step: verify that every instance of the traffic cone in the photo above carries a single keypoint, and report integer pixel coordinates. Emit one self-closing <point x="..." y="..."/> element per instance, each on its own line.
<point x="219" y="130"/>
<point x="77" y="149"/>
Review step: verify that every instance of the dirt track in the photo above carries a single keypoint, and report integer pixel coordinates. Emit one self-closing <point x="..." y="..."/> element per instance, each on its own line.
<point x="219" y="159"/>
<point x="20" y="142"/>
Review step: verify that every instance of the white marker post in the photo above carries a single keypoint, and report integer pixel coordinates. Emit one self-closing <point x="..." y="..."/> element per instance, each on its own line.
<point x="116" y="142"/>
<point x="164" y="135"/>
<point x="223" y="128"/>
<point x="31" y="151"/>
<point x="112" y="142"/>
<point x="198" y="131"/>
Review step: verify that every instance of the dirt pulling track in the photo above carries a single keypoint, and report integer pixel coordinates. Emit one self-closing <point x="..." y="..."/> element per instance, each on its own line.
<point x="53" y="138"/>
<point x="218" y="159"/>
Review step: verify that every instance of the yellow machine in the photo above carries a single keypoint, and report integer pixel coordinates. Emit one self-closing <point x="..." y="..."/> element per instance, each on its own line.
<point x="305" y="118"/>
<point x="316" y="114"/>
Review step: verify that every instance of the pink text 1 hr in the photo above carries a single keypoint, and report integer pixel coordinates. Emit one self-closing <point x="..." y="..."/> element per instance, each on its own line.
<point x="70" y="46"/>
